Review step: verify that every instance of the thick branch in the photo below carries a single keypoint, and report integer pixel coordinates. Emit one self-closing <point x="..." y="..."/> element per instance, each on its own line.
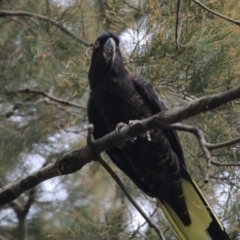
<point x="55" y="99"/>
<point x="4" y="13"/>
<point x="75" y="160"/>
<point x="217" y="14"/>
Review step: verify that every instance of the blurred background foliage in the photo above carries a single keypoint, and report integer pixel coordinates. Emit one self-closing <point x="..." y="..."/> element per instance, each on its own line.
<point x="34" y="130"/>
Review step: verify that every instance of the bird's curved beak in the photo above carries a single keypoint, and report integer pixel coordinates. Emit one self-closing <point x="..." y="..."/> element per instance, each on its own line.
<point x="109" y="50"/>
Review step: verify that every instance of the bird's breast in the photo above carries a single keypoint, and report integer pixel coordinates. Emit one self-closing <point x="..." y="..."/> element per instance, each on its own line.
<point x="119" y="102"/>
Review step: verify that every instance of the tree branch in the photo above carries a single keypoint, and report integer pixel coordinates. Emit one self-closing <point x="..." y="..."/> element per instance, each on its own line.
<point x="140" y="226"/>
<point x="2" y="237"/>
<point x="135" y="204"/>
<point x="49" y="13"/>
<point x="211" y="146"/>
<point x="130" y="6"/>
<point x="205" y="146"/>
<point x="177" y="26"/>
<point x="21" y="211"/>
<point x="23" y="24"/>
<point x="217" y="14"/>
<point x="225" y="164"/>
<point x="75" y="160"/>
<point x="202" y="142"/>
<point x="72" y="162"/>
<point x="55" y="99"/>
<point x="4" y="13"/>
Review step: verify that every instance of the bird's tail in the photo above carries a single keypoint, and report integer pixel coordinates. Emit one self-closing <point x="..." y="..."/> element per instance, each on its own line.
<point x="204" y="223"/>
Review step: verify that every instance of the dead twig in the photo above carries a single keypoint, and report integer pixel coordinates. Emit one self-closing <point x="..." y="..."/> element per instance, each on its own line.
<point x="211" y="146"/>
<point x="202" y="142"/>
<point x="5" y="13"/>
<point x="49" y="13"/>
<point x="130" y="6"/>
<point x="135" y="204"/>
<point x="55" y="99"/>
<point x="23" y="24"/>
<point x="205" y="146"/>
<point x="177" y="26"/>
<point x="216" y="13"/>
<point x="140" y="226"/>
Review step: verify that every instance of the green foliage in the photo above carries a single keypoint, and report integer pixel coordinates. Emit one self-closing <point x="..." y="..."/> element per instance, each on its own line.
<point x="35" y="54"/>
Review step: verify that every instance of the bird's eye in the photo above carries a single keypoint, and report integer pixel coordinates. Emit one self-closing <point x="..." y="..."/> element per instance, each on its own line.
<point x="97" y="44"/>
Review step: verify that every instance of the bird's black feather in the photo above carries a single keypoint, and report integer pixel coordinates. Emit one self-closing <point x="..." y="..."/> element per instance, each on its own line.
<point x="157" y="167"/>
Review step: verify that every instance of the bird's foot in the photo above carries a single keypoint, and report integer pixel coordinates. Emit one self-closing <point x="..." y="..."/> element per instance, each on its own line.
<point x="118" y="129"/>
<point x="144" y="135"/>
<point x="120" y="126"/>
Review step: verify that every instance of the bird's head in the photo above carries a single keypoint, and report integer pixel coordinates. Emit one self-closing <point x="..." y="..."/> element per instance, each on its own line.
<point x="106" y="57"/>
<point x="106" y="47"/>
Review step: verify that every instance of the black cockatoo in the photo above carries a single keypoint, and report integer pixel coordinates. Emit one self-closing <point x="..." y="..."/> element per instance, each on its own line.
<point x="154" y="162"/>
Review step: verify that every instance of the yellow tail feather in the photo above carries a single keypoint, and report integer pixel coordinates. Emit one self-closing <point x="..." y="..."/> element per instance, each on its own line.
<point x="198" y="209"/>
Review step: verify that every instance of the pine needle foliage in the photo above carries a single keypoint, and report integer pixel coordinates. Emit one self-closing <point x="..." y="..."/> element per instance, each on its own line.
<point x="202" y="59"/>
